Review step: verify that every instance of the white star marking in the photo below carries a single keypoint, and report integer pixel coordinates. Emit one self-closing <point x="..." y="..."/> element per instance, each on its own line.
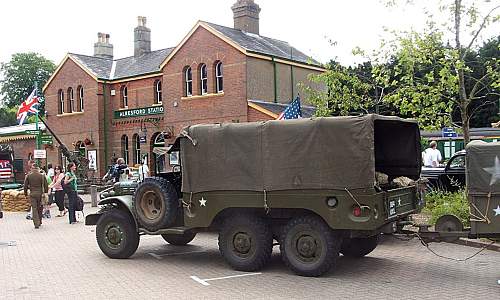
<point x="494" y="171"/>
<point x="497" y="210"/>
<point x="203" y="202"/>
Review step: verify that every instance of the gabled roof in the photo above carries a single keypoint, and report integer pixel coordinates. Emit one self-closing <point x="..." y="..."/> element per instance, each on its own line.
<point x="274" y="109"/>
<point x="124" y="67"/>
<point x="264" y="45"/>
<point x="253" y="45"/>
<point x="100" y="67"/>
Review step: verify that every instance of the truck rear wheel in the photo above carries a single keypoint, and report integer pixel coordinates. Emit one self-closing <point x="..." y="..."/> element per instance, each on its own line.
<point x="246" y="242"/>
<point x="116" y="235"/>
<point x="308" y="246"/>
<point x="359" y="247"/>
<point x="179" y="239"/>
<point x="156" y="203"/>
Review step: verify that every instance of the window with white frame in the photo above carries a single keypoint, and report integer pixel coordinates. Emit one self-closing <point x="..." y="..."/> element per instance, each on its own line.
<point x="124" y="94"/>
<point x="125" y="148"/>
<point x="71" y="100"/>
<point x="188" y="79"/>
<point x="158" y="98"/>
<point x="80" y="98"/>
<point x="219" y="78"/>
<point x="203" y="79"/>
<point x="61" y="102"/>
<point x="137" y="149"/>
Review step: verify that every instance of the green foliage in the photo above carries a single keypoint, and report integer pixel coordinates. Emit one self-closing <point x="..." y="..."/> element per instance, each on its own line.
<point x="20" y="74"/>
<point x="8" y="116"/>
<point x="439" y="203"/>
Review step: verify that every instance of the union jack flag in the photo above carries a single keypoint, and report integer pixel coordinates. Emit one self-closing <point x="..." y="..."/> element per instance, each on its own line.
<point x="292" y="111"/>
<point x="28" y="107"/>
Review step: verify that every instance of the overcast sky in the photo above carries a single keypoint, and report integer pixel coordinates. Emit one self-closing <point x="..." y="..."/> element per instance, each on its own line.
<point x="54" y="28"/>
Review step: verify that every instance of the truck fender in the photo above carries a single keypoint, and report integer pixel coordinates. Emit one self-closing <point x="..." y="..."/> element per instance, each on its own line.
<point x="124" y="203"/>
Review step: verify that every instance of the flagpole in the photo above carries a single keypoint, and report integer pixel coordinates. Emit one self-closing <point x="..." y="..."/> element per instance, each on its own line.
<point x="37" y="136"/>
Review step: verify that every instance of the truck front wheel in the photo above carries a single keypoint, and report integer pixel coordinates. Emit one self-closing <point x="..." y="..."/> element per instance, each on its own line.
<point x="359" y="247"/>
<point x="308" y="246"/>
<point x="179" y="239"/>
<point x="246" y="242"/>
<point x="116" y="235"/>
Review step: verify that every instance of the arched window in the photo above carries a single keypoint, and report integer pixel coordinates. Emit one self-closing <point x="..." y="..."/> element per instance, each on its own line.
<point x="61" y="102"/>
<point x="71" y="100"/>
<point x="124" y="97"/>
<point x="136" y="148"/>
<point x="125" y="148"/>
<point x="203" y="79"/>
<point x="188" y="80"/>
<point x="80" y="98"/>
<point x="158" y="92"/>
<point x="219" y="78"/>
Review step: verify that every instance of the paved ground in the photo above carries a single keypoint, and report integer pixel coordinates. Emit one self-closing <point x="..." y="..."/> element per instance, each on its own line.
<point x="63" y="261"/>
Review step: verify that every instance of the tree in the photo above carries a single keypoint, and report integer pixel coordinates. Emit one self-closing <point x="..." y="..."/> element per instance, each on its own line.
<point x="8" y="116"/>
<point x="456" y="83"/>
<point x="20" y="74"/>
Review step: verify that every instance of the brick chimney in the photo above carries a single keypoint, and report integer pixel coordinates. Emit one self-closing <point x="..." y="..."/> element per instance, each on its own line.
<point x="142" y="37"/>
<point x="103" y="48"/>
<point x="246" y="16"/>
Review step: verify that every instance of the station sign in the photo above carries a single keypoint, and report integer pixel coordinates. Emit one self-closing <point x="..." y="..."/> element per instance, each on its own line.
<point x="138" y="112"/>
<point x="46" y="139"/>
<point x="449" y="132"/>
<point x="39" y="153"/>
<point x="33" y="132"/>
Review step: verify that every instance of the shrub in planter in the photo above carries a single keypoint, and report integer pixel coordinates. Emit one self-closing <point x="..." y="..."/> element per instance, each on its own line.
<point x="439" y="203"/>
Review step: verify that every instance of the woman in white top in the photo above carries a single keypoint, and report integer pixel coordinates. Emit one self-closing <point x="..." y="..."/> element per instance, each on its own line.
<point x="58" y="190"/>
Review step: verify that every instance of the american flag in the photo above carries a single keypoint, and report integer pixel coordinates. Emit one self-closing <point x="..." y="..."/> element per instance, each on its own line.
<point x="5" y="169"/>
<point x="28" y="107"/>
<point x="292" y="111"/>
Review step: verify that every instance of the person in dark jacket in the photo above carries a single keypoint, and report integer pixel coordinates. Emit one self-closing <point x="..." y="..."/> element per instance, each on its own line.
<point x="36" y="183"/>
<point x="70" y="179"/>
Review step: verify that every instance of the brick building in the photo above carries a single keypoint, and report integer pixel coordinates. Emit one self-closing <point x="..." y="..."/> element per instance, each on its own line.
<point x="136" y="106"/>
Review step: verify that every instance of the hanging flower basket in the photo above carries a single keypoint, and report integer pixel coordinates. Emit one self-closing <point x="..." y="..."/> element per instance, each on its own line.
<point x="87" y="141"/>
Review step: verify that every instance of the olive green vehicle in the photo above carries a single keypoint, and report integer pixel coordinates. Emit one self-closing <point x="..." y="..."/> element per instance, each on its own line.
<point x="309" y="184"/>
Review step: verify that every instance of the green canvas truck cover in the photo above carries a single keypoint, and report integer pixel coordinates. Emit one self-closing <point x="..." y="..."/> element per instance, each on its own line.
<point x="315" y="153"/>
<point x="483" y="167"/>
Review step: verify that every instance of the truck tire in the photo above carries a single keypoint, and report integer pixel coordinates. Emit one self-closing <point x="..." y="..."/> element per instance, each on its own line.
<point x="116" y="234"/>
<point x="308" y="246"/>
<point x="359" y="247"/>
<point x="179" y="239"/>
<point x="156" y="203"/>
<point x="246" y="242"/>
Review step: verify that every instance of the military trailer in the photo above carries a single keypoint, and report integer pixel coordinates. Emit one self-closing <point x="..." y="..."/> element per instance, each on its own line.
<point x="482" y="175"/>
<point x="309" y="184"/>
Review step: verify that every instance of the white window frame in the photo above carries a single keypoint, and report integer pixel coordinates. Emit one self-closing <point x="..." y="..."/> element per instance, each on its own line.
<point x="203" y="80"/>
<point x="158" y="92"/>
<point x="219" y="75"/>
<point x="125" y="97"/>
<point x="71" y="96"/>
<point x="61" y="101"/>
<point x="80" y="95"/>
<point x="137" y="148"/>
<point x="189" y="82"/>
<point x="125" y="148"/>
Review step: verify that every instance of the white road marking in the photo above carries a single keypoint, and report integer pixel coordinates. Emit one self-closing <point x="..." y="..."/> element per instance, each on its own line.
<point x="205" y="283"/>
<point x="159" y="256"/>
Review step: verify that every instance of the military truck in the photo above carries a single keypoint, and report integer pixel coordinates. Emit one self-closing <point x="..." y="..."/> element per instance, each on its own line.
<point x="309" y="184"/>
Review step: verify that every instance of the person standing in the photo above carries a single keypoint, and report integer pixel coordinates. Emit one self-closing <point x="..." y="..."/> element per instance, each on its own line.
<point x="432" y="156"/>
<point x="47" y="203"/>
<point x="144" y="169"/>
<point x="36" y="183"/>
<point x="57" y="189"/>
<point x="70" y="180"/>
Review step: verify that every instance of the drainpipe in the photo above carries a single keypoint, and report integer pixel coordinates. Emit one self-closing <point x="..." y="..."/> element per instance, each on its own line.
<point x="105" y="101"/>
<point x="275" y="81"/>
<point x="291" y="74"/>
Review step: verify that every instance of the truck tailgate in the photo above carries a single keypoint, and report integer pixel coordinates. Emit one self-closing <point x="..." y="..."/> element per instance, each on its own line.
<point x="401" y="202"/>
